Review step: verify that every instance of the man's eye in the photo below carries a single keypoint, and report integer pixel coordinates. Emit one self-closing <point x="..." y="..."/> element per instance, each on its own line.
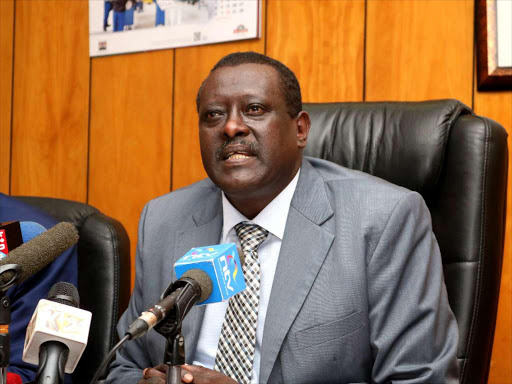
<point x="212" y="114"/>
<point x="255" y="109"/>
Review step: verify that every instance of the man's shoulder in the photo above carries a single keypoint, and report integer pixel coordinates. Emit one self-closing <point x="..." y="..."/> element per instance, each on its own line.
<point x="337" y="175"/>
<point x="185" y="199"/>
<point x="190" y="192"/>
<point x="362" y="195"/>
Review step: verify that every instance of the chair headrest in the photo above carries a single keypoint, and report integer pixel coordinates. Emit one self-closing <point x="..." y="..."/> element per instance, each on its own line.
<point x="402" y="142"/>
<point x="61" y="209"/>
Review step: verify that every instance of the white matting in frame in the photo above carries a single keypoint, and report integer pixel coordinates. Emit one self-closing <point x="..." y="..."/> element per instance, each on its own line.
<point x="504" y="32"/>
<point x="159" y="24"/>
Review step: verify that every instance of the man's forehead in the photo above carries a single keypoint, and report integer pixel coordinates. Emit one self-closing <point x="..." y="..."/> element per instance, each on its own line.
<point x="238" y="72"/>
<point x="253" y="77"/>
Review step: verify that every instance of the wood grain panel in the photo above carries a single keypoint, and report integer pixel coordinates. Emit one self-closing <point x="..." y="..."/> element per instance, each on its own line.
<point x="6" y="52"/>
<point x="51" y="97"/>
<point x="498" y="106"/>
<point x="419" y="49"/>
<point x="130" y="135"/>
<point x="322" y="41"/>
<point x="193" y="65"/>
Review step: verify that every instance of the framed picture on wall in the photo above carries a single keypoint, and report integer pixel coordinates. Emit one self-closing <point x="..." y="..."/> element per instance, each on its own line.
<point x="122" y="26"/>
<point x="494" y="44"/>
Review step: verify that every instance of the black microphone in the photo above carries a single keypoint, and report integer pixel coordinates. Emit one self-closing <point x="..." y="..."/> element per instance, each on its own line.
<point x="32" y="256"/>
<point x="53" y="351"/>
<point x="184" y="293"/>
<point x="194" y="286"/>
<point x="53" y="354"/>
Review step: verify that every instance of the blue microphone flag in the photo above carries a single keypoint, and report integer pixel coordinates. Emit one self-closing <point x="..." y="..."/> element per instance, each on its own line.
<point x="221" y="263"/>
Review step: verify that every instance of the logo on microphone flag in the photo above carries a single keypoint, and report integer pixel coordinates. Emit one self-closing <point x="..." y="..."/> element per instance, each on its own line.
<point x="232" y="261"/>
<point x="4" y="250"/>
<point x="222" y="263"/>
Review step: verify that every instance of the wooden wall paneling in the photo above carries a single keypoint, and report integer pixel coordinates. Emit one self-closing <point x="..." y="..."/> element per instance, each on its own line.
<point x="498" y="106"/>
<point x="51" y="99"/>
<point x="193" y="64"/>
<point x="6" y="55"/>
<point x="130" y="135"/>
<point x="419" y="49"/>
<point x="323" y="43"/>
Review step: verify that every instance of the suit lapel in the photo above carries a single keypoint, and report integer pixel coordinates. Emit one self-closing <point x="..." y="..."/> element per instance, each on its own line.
<point x="206" y="230"/>
<point x="303" y="250"/>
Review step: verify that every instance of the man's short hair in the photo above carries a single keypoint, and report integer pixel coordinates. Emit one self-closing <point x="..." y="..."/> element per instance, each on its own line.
<point x="289" y="83"/>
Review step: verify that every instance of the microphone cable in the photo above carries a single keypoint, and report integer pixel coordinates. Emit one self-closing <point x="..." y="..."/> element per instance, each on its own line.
<point x="108" y="358"/>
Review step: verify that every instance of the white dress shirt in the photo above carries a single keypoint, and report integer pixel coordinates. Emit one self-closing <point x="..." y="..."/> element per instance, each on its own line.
<point x="273" y="219"/>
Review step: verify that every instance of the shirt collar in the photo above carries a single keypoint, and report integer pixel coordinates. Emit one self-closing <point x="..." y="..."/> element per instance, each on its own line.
<point x="272" y="217"/>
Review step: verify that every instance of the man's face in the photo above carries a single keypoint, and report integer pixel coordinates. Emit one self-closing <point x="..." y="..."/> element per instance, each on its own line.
<point x="250" y="146"/>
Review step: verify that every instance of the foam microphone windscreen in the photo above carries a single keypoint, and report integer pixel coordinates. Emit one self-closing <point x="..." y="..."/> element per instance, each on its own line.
<point x="40" y="251"/>
<point x="204" y="281"/>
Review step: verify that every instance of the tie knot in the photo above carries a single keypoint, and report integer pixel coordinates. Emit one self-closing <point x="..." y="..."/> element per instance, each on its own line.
<point x="250" y="235"/>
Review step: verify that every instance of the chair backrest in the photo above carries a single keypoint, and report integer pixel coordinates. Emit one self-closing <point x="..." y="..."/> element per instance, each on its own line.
<point x="103" y="274"/>
<point x="458" y="162"/>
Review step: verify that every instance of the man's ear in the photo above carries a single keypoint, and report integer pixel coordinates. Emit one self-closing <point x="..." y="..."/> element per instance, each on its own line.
<point x="303" y="123"/>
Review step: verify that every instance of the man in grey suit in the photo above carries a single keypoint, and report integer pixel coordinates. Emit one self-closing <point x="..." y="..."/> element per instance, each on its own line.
<point x="350" y="286"/>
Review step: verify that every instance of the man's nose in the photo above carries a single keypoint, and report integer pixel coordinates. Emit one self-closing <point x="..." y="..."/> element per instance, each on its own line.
<point x="235" y="126"/>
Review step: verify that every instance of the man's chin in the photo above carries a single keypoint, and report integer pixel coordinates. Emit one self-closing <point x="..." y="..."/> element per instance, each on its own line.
<point x="239" y="190"/>
<point x="237" y="179"/>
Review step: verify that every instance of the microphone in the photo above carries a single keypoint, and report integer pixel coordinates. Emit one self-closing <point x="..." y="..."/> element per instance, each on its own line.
<point x="10" y="237"/>
<point x="57" y="334"/>
<point x="36" y="253"/>
<point x="205" y="275"/>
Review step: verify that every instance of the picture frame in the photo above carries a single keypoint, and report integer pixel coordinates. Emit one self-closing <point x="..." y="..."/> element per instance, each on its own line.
<point x="494" y="45"/>
<point x="118" y="27"/>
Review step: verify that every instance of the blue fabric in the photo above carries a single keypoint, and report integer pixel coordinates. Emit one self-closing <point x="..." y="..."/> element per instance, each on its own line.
<point x="128" y="16"/>
<point x="118" y="21"/>
<point x="107" y="9"/>
<point x="160" y="16"/>
<point x="25" y="296"/>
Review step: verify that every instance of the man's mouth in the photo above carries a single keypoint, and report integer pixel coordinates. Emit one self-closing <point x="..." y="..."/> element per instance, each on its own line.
<point x="237" y="151"/>
<point x="237" y="156"/>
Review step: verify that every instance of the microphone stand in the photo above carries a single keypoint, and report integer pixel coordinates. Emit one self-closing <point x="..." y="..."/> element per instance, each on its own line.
<point x="186" y="292"/>
<point x="5" y="340"/>
<point x="11" y="271"/>
<point x="174" y="356"/>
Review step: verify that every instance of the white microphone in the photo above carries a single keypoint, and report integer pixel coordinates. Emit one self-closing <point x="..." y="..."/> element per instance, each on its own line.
<point x="57" y="334"/>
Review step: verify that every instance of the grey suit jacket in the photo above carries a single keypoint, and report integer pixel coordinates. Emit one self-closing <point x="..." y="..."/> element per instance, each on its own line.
<point x="358" y="293"/>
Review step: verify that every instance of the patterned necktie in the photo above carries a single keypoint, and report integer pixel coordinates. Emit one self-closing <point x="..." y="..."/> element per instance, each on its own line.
<point x="235" y="352"/>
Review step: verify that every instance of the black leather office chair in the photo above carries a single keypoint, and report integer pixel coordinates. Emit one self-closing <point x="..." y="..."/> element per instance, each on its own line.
<point x="103" y="274"/>
<point x="458" y="162"/>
